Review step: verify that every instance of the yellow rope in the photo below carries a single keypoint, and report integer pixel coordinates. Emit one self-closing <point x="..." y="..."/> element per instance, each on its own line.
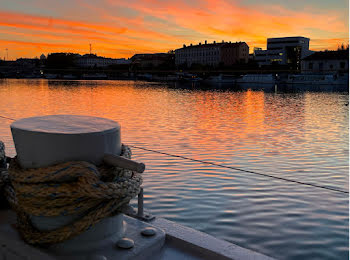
<point x="70" y="188"/>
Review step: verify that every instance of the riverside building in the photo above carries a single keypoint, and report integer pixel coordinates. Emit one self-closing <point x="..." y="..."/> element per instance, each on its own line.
<point x="284" y="51"/>
<point x="149" y="60"/>
<point x="212" y="54"/>
<point x="92" y="60"/>
<point x="324" y="62"/>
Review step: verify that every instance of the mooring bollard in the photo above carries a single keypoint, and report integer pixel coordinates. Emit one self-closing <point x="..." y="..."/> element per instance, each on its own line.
<point x="47" y="140"/>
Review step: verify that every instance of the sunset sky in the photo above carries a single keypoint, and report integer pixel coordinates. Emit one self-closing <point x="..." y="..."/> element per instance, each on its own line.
<point x="122" y="28"/>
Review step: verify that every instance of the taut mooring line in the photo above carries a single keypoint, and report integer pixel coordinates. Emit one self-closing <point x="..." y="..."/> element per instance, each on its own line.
<point x="228" y="167"/>
<point x="242" y="170"/>
<point x="9" y="118"/>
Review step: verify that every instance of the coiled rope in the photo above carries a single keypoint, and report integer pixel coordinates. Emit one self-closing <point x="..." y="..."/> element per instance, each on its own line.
<point x="71" y="188"/>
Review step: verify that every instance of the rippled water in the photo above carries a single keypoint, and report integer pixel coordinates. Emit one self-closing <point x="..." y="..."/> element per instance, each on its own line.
<point x="300" y="136"/>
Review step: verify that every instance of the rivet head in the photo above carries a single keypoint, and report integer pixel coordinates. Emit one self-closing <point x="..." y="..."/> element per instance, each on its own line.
<point x="148" y="231"/>
<point x="96" y="257"/>
<point x="125" y="243"/>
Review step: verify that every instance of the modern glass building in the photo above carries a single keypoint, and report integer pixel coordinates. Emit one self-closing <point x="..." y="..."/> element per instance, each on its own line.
<point x="284" y="51"/>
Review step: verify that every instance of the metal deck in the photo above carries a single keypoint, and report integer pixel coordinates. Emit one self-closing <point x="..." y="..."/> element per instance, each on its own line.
<point x="171" y="241"/>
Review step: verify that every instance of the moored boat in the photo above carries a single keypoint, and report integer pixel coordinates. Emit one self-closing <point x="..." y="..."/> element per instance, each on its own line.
<point x="318" y="79"/>
<point x="256" y="81"/>
<point x="95" y="76"/>
<point x="188" y="77"/>
<point x="50" y="76"/>
<point x="221" y="79"/>
<point x="317" y="82"/>
<point x="69" y="76"/>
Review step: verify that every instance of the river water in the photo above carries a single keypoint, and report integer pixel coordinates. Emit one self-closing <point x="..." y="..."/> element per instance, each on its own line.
<point x="299" y="136"/>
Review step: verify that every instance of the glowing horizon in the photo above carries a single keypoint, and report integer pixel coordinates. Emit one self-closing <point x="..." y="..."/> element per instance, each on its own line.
<point x="120" y="29"/>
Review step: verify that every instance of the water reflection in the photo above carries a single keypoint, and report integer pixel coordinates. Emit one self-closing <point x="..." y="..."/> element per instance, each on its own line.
<point x="295" y="135"/>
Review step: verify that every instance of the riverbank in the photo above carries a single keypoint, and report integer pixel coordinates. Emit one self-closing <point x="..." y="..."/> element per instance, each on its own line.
<point x="267" y="82"/>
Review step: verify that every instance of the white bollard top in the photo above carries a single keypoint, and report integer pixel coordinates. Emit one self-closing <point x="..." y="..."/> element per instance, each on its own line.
<point x="66" y="124"/>
<point x="46" y="140"/>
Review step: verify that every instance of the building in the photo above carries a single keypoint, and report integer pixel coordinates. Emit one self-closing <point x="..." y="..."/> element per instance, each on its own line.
<point x="326" y="62"/>
<point x="152" y="60"/>
<point x="27" y="63"/>
<point x="94" y="61"/>
<point x="212" y="54"/>
<point x="283" y="51"/>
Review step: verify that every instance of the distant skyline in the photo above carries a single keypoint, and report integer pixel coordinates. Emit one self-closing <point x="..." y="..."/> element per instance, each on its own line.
<point x="120" y="29"/>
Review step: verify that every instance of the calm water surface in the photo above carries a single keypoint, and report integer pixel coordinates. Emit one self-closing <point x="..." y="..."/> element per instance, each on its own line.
<point x="301" y="136"/>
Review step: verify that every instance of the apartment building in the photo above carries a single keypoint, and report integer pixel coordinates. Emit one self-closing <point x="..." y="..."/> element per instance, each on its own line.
<point x="212" y="54"/>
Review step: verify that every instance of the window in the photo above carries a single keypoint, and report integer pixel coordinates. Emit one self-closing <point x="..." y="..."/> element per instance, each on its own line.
<point x="311" y="65"/>
<point x="320" y="66"/>
<point x="281" y="42"/>
<point x="274" y="48"/>
<point x="331" y="66"/>
<point x="342" y="65"/>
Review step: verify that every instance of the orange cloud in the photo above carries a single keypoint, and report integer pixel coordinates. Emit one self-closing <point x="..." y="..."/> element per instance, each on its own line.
<point x="160" y="25"/>
<point x="232" y="21"/>
<point x="57" y="24"/>
<point x="68" y="31"/>
<point x="332" y="44"/>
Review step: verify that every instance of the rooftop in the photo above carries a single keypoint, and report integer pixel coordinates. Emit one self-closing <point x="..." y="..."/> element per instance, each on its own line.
<point x="329" y="55"/>
<point x="214" y="44"/>
<point x="151" y="56"/>
<point x="288" y="38"/>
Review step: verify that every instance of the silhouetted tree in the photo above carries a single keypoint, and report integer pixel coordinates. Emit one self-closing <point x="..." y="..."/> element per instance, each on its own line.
<point x="342" y="47"/>
<point x="60" y="60"/>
